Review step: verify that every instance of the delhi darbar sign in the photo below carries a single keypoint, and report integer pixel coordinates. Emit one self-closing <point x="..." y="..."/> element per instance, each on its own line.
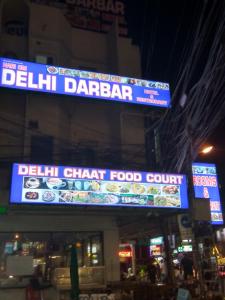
<point x="41" y="184"/>
<point x="57" y="80"/>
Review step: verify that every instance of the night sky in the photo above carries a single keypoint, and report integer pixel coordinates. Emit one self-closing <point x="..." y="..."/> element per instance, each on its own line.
<point x="165" y="32"/>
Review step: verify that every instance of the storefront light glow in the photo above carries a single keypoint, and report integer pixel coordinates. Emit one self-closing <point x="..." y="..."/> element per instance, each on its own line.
<point x="58" y="185"/>
<point x="124" y="253"/>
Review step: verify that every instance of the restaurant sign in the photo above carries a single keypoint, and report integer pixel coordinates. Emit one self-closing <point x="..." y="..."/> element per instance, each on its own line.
<point x="206" y="186"/>
<point x="42" y="184"/>
<point x="94" y="15"/>
<point x="23" y="75"/>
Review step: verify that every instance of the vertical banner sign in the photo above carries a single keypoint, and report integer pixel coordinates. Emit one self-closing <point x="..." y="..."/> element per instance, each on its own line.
<point x="28" y="76"/>
<point x="206" y="186"/>
<point x="42" y="184"/>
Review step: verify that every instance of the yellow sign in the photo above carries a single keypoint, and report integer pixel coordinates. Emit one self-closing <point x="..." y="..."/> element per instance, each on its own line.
<point x="221" y="261"/>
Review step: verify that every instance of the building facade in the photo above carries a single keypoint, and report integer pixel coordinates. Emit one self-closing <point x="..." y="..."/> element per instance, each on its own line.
<point x="62" y="130"/>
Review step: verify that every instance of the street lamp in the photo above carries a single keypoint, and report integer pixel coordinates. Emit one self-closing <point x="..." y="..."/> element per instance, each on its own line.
<point x="207" y="149"/>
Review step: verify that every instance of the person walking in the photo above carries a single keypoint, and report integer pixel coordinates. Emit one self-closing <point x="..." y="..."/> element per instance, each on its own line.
<point x="187" y="266"/>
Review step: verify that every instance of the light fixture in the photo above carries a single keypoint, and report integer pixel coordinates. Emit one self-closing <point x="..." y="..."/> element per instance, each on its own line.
<point x="207" y="149"/>
<point x="17" y="236"/>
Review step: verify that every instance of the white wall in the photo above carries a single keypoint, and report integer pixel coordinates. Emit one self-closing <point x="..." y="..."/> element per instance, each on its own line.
<point x="11" y="294"/>
<point x="111" y="248"/>
<point x="49" y="33"/>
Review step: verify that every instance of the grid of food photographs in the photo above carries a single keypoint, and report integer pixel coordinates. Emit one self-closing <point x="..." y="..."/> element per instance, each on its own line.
<point x="107" y="77"/>
<point x="93" y="192"/>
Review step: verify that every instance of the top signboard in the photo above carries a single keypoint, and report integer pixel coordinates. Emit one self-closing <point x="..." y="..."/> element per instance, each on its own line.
<point x="97" y="15"/>
<point x="41" y="184"/>
<point x="23" y="75"/>
<point x="206" y="186"/>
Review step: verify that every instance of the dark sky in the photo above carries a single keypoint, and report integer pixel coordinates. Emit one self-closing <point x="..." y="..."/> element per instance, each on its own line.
<point x="165" y="32"/>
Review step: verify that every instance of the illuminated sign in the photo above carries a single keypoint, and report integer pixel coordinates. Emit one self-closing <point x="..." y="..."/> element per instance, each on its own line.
<point x="206" y="186"/>
<point x="187" y="248"/>
<point x="124" y="253"/>
<point x="85" y="186"/>
<point x="155" y="250"/>
<point x="156" y="241"/>
<point x="56" y="80"/>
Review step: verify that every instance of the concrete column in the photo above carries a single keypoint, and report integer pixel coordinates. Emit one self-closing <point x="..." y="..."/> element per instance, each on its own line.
<point x="111" y="258"/>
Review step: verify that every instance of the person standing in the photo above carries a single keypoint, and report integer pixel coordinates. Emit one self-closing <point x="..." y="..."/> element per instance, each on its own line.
<point x="187" y="266"/>
<point x="152" y="271"/>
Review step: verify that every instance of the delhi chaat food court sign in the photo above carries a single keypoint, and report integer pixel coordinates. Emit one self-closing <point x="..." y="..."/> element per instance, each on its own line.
<point x="23" y="75"/>
<point x="42" y="184"/>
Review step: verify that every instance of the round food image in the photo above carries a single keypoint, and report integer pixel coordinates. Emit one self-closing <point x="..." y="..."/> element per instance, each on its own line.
<point x="111" y="199"/>
<point x="216" y="217"/>
<point x="48" y="196"/>
<point x="172" y="201"/>
<point x="84" y="74"/>
<point x="138" y="188"/>
<point x="160" y="201"/>
<point x="55" y="183"/>
<point x="78" y="185"/>
<point x="31" y="195"/>
<point x="52" y="70"/>
<point x="97" y="198"/>
<point x="86" y="185"/>
<point x="170" y="189"/>
<point x="104" y="76"/>
<point x="81" y="197"/>
<point x="32" y="182"/>
<point x="66" y="196"/>
<point x="125" y="188"/>
<point x="112" y="187"/>
<point x="115" y="78"/>
<point x="95" y="185"/>
<point x="153" y="190"/>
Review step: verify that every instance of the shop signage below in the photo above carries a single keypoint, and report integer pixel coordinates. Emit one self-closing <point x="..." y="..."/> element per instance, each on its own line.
<point x="125" y="253"/>
<point x="41" y="184"/>
<point x="29" y="76"/>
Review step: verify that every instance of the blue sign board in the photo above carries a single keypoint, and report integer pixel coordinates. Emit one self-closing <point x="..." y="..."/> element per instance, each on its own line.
<point x="44" y="184"/>
<point x="23" y="75"/>
<point x="206" y="186"/>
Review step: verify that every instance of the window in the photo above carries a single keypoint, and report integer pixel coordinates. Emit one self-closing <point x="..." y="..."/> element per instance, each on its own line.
<point x="41" y="149"/>
<point x="51" y="250"/>
<point x="44" y="59"/>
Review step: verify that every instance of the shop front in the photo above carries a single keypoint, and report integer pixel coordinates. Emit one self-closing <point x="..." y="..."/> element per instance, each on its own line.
<point x="127" y="260"/>
<point x="39" y="246"/>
